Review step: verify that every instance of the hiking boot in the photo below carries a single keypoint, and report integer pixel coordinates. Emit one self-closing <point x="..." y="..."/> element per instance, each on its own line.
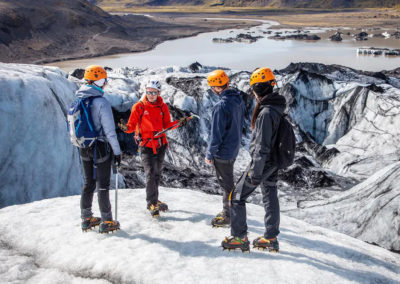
<point x="89" y="223"/>
<point x="271" y="245"/>
<point x="162" y="206"/>
<point x="108" y="226"/>
<point x="221" y="220"/>
<point x="233" y="243"/>
<point x="154" y="210"/>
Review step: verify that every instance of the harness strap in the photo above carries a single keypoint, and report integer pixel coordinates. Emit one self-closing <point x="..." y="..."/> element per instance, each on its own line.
<point x="95" y="160"/>
<point x="159" y="139"/>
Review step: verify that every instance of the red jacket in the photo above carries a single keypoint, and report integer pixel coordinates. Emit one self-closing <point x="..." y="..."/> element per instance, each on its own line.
<point x="149" y="118"/>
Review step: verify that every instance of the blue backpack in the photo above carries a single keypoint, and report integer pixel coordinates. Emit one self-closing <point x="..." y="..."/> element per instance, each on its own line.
<point x="80" y="124"/>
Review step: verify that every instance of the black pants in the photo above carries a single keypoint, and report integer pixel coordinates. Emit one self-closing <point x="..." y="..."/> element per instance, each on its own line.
<point x="103" y="174"/>
<point x="152" y="164"/>
<point x="224" y="170"/>
<point x="269" y="191"/>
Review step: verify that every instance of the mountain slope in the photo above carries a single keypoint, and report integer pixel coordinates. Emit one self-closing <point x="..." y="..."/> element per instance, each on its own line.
<point x="46" y="30"/>
<point x="258" y="3"/>
<point x="40" y="30"/>
<point x="181" y="246"/>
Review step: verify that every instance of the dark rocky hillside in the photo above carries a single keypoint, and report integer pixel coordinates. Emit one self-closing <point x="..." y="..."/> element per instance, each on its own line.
<point x="48" y="30"/>
<point x="261" y="3"/>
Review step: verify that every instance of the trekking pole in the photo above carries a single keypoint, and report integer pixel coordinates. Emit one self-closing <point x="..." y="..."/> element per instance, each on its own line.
<point x="116" y="195"/>
<point x="115" y="171"/>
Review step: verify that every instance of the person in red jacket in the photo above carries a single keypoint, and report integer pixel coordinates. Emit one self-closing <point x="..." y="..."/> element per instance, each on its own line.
<point x="148" y="117"/>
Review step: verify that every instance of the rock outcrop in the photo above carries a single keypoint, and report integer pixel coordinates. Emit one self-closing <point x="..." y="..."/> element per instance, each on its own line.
<point x="296" y="37"/>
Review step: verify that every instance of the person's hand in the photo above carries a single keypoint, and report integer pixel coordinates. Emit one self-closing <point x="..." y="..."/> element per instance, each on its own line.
<point x="183" y="121"/>
<point x="210" y="162"/>
<point x="117" y="160"/>
<point x="122" y="125"/>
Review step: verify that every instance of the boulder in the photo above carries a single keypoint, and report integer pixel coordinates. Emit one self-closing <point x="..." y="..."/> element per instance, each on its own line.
<point x="336" y="37"/>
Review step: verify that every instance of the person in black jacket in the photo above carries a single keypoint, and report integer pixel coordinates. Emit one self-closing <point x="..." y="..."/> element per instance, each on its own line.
<point x="225" y="138"/>
<point x="261" y="171"/>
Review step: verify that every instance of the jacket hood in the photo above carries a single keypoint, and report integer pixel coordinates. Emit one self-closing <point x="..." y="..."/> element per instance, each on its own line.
<point x="231" y="95"/>
<point x="274" y="100"/>
<point x="86" y="91"/>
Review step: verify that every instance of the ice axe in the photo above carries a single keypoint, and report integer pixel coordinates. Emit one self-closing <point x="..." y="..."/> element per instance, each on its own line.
<point x="175" y="126"/>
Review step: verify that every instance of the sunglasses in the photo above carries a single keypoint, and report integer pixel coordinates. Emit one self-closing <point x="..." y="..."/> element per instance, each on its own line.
<point x="155" y="93"/>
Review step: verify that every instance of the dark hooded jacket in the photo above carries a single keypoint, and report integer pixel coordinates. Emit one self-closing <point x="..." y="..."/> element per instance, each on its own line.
<point x="271" y="110"/>
<point x="227" y="126"/>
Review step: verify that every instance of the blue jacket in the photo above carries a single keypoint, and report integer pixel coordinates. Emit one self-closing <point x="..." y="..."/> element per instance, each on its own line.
<point x="102" y="115"/>
<point x="227" y="126"/>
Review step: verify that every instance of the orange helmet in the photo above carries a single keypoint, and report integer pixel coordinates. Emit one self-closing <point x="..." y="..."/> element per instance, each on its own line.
<point x="217" y="78"/>
<point x="94" y="73"/>
<point x="262" y="75"/>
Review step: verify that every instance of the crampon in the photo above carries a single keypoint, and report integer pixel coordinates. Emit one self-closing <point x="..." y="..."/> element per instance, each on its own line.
<point x="220" y="221"/>
<point x="163" y="207"/>
<point x="271" y="245"/>
<point x="109" y="226"/>
<point x="154" y="210"/>
<point x="89" y="223"/>
<point x="234" y="243"/>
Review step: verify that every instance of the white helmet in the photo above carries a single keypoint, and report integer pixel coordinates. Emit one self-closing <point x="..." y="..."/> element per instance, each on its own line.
<point x="154" y="84"/>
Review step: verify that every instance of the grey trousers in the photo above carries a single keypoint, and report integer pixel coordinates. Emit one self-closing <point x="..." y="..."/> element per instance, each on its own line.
<point x="269" y="191"/>
<point x="103" y="174"/>
<point x="152" y="164"/>
<point x="224" y="170"/>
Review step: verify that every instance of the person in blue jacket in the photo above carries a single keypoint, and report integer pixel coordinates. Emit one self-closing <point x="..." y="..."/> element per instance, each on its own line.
<point x="107" y="150"/>
<point x="225" y="139"/>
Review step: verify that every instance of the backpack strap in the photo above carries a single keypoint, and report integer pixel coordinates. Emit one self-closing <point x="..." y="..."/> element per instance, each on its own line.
<point x="91" y="99"/>
<point x="281" y="117"/>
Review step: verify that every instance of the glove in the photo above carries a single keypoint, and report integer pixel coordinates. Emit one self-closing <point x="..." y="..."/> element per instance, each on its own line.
<point x="210" y="162"/>
<point x="117" y="160"/>
<point x="183" y="121"/>
<point x="122" y="125"/>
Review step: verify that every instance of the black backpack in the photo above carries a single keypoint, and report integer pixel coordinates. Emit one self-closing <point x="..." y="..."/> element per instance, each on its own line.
<point x="282" y="154"/>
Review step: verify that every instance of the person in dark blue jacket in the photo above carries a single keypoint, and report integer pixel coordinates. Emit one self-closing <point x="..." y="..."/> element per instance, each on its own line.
<point x="225" y="139"/>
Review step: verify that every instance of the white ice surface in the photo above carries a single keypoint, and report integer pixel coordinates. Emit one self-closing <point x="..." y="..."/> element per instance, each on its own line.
<point x="369" y="211"/>
<point x="372" y="140"/>
<point x="44" y="242"/>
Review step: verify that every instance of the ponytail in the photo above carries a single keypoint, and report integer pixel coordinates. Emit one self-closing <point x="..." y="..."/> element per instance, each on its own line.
<point x="255" y="115"/>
